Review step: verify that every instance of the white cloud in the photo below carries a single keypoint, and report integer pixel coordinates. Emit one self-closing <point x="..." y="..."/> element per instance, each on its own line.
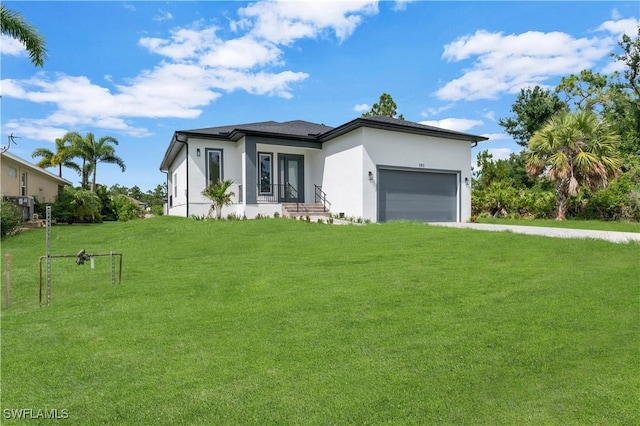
<point x="260" y="83"/>
<point x="242" y="53"/>
<point x="184" y="43"/>
<point x="32" y="129"/>
<point x="497" y="136"/>
<point x="163" y="16"/>
<point x="399" y="5"/>
<point x="619" y="26"/>
<point x="11" y="46"/>
<point x="457" y="124"/>
<point x="285" y="22"/>
<point x="508" y="63"/>
<point x="500" y="153"/>
<point x="362" y="108"/>
<point x="197" y="66"/>
<point x="490" y="115"/>
<point x="429" y="112"/>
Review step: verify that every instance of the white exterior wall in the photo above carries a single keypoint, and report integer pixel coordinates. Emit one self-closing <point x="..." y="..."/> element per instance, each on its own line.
<point x="178" y="185"/>
<point x="344" y="176"/>
<point x="231" y="169"/>
<point x="385" y="148"/>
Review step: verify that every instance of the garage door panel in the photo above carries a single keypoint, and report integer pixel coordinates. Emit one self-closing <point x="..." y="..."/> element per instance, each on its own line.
<point x="416" y="195"/>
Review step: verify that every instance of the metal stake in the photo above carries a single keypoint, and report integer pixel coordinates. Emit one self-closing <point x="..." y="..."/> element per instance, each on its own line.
<point x="7" y="277"/>
<point x="48" y="225"/>
<point x="113" y="267"/>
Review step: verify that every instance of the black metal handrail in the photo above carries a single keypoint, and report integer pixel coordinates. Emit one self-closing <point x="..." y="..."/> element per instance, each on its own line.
<point x="277" y="193"/>
<point x="291" y="192"/>
<point x="322" y="197"/>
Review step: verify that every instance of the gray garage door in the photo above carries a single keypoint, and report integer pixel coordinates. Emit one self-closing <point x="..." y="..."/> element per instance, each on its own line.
<point x="416" y="195"/>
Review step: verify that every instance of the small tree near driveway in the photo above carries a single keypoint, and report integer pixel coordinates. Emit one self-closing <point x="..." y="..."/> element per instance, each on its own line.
<point x="217" y="193"/>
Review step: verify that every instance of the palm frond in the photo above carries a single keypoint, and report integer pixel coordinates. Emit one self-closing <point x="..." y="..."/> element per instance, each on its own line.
<point x="15" y="26"/>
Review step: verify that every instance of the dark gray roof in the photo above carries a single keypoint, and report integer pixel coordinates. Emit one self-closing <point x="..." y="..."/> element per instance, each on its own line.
<point x="287" y="128"/>
<point x="390" y="123"/>
<point x="307" y="131"/>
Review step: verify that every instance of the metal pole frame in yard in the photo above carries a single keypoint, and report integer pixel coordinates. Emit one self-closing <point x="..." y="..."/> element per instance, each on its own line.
<point x="7" y="278"/>
<point x="111" y="255"/>
<point x="82" y="253"/>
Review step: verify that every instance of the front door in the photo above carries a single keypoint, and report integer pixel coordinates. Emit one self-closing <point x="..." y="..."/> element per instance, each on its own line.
<point x="291" y="173"/>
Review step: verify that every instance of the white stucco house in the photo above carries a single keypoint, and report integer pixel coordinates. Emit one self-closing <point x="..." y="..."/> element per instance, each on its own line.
<point x="376" y="168"/>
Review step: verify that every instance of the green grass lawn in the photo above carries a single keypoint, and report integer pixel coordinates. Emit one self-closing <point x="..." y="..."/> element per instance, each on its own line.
<point x="285" y="322"/>
<point x="598" y="225"/>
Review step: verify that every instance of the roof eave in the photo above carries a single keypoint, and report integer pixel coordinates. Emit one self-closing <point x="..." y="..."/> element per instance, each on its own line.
<point x="35" y="167"/>
<point x="175" y="146"/>
<point x="363" y="122"/>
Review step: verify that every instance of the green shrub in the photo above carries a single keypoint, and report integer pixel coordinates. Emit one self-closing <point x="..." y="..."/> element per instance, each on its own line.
<point x="77" y="206"/>
<point x="536" y="203"/>
<point x="39" y="208"/>
<point x="618" y="201"/>
<point x="498" y="199"/>
<point x="10" y="219"/>
<point x="157" y="210"/>
<point x="106" y="211"/>
<point x="125" y="208"/>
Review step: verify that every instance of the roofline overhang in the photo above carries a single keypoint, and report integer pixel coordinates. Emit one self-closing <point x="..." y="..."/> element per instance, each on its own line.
<point x="237" y="134"/>
<point x="36" y="168"/>
<point x="233" y="136"/>
<point x="375" y="124"/>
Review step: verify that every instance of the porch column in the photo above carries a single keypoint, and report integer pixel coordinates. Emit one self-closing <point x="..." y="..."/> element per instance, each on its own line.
<point x="251" y="170"/>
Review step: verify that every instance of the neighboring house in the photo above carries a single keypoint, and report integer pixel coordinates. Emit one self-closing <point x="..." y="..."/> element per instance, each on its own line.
<point x="23" y="182"/>
<point x="375" y="168"/>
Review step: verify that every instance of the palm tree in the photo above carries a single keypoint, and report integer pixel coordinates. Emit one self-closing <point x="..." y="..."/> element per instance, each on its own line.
<point x="14" y="25"/>
<point x="217" y="193"/>
<point x="573" y="149"/>
<point x="62" y="156"/>
<point x="93" y="152"/>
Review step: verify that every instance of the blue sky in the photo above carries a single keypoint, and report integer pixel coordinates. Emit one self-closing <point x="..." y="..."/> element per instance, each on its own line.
<point x="139" y="70"/>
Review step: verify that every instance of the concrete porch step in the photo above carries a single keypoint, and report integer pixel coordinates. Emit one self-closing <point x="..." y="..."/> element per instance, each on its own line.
<point x="303" y="209"/>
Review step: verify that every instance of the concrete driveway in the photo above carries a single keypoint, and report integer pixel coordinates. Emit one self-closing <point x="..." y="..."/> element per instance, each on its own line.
<point x="613" y="236"/>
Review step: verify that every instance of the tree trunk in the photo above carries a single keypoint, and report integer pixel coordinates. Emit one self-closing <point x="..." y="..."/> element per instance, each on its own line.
<point x="218" y="211"/>
<point x="85" y="177"/>
<point x="93" y="180"/>
<point x="562" y="195"/>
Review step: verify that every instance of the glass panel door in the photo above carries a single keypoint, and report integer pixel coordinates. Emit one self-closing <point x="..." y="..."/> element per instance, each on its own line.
<point x="292" y="179"/>
<point x="291" y="168"/>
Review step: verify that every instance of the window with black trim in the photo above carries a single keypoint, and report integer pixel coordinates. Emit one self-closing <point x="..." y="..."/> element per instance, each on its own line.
<point x="265" y="172"/>
<point x="214" y="166"/>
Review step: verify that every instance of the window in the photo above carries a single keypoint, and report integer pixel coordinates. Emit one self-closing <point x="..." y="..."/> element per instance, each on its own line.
<point x="23" y="184"/>
<point x="12" y="172"/>
<point x="214" y="165"/>
<point x="175" y="185"/>
<point x="265" y="171"/>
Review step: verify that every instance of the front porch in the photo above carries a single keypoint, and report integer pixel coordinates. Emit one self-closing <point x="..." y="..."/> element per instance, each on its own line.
<point x="285" y="197"/>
